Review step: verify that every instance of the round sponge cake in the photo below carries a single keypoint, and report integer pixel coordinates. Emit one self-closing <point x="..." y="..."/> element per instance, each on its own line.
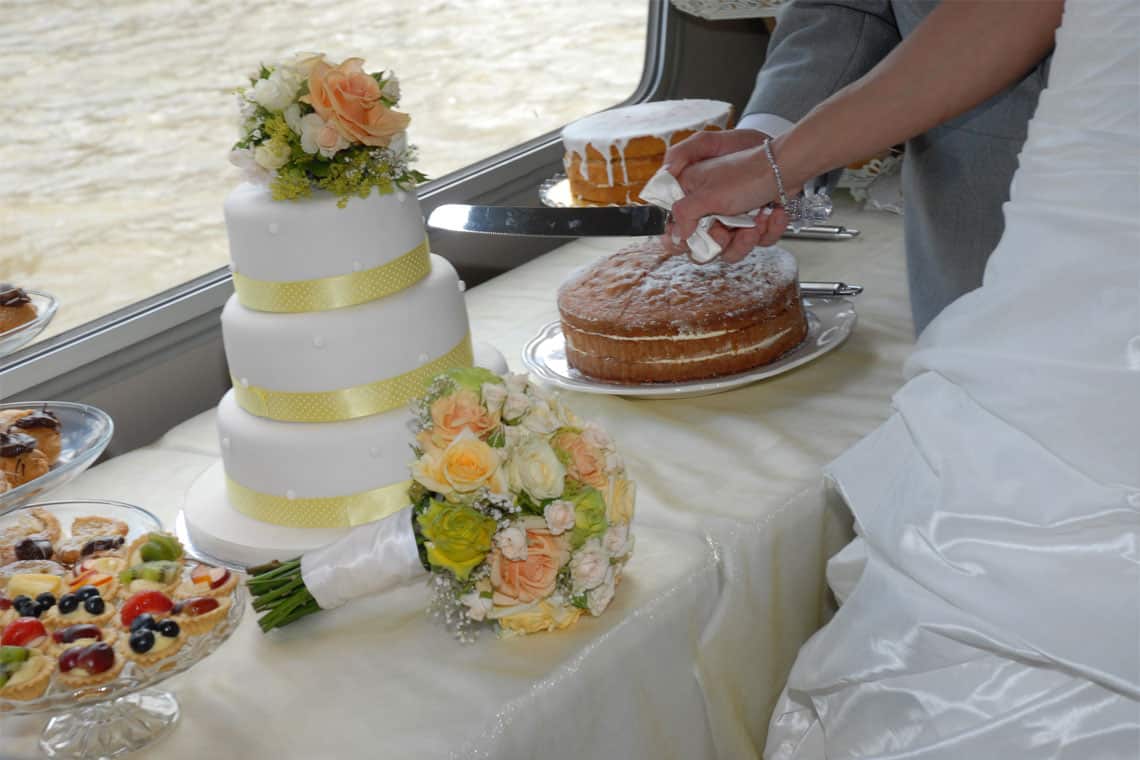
<point x="644" y="315"/>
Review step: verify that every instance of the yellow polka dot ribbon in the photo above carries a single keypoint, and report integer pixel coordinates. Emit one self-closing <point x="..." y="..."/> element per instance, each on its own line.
<point x="330" y="512"/>
<point x="328" y="293"/>
<point x="350" y="403"/>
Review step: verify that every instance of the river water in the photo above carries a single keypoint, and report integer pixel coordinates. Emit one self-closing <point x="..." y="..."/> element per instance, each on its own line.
<point x="118" y="114"/>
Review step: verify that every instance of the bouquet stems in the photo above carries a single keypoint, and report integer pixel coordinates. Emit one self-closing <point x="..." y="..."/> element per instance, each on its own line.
<point x="280" y="592"/>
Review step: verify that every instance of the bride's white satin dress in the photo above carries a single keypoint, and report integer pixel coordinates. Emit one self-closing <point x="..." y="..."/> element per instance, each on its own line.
<point x="991" y="606"/>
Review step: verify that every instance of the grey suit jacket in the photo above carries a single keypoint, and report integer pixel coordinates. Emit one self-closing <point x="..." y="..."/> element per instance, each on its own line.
<point x="955" y="177"/>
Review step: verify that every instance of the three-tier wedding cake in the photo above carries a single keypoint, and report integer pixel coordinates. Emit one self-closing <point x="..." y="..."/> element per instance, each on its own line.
<point x="340" y="317"/>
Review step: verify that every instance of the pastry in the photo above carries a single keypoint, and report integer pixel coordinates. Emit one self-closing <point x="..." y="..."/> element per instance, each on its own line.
<point x="16" y="307"/>
<point x="45" y="428"/>
<point x="154" y="604"/>
<point x="24" y="673"/>
<point x="644" y="315"/>
<point x="206" y="580"/>
<point x="99" y="572"/>
<point x="75" y="548"/>
<point x="611" y="155"/>
<point x="85" y="605"/>
<point x="27" y="632"/>
<point x="89" y="665"/>
<point x="20" y="458"/>
<point x="29" y="522"/>
<point x="80" y="634"/>
<point x="152" y="640"/>
<point x="199" y="614"/>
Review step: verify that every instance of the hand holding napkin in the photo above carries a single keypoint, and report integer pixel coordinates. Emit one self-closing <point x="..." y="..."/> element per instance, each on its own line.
<point x="664" y="190"/>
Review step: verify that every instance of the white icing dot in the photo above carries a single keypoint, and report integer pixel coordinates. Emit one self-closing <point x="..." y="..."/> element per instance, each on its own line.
<point x="422" y="358"/>
<point x="374" y="452"/>
<point x="244" y="382"/>
<point x="357" y="266"/>
<point x="225" y="442"/>
<point x="462" y="286"/>
<point x="318" y="342"/>
<point x="273" y="228"/>
<point x="290" y="494"/>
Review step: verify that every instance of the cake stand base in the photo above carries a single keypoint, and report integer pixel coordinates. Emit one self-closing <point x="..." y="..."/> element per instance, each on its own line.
<point x="113" y="728"/>
<point x="219" y="533"/>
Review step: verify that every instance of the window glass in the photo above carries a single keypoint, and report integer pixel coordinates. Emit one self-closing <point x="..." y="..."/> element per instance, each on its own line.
<point x="120" y="114"/>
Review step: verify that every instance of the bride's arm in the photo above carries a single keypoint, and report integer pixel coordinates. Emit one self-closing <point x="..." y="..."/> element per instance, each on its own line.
<point x="963" y="53"/>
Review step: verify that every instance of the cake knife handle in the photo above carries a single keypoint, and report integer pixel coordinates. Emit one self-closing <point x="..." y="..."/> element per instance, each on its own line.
<point x="829" y="289"/>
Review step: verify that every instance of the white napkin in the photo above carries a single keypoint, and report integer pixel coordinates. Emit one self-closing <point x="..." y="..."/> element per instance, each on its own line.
<point x="664" y="190"/>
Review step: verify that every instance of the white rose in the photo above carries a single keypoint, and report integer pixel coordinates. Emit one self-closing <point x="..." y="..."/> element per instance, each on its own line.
<point x="600" y="597"/>
<point x="274" y="93"/>
<point x="242" y="158"/>
<point x="271" y="155"/>
<point x="534" y="468"/>
<point x="293" y="118"/>
<point x="391" y="88"/>
<point x="593" y="434"/>
<point x="589" y="566"/>
<point x="478" y="606"/>
<point x="512" y="543"/>
<point x="515" y="406"/>
<point x="399" y="142"/>
<point x="514" y="436"/>
<point x="617" y="540"/>
<point x="614" y="462"/>
<point x="303" y="63"/>
<point x="516" y="382"/>
<point x="541" y="419"/>
<point x="317" y="135"/>
<point x="559" y="517"/>
<point x="494" y="394"/>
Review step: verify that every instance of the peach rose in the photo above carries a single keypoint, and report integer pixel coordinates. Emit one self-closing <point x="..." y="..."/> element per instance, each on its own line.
<point x="452" y="413"/>
<point x="466" y="465"/>
<point x="587" y="464"/>
<point x="349" y="98"/>
<point x="533" y="578"/>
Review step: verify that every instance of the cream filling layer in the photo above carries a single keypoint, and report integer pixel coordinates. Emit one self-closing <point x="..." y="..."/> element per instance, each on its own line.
<point x="705" y="357"/>
<point x="679" y="336"/>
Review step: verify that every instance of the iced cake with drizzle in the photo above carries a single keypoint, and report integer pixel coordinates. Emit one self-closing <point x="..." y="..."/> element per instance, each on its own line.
<point x="644" y="315"/>
<point x="611" y="155"/>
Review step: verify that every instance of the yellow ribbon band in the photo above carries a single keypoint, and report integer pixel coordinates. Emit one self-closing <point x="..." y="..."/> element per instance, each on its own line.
<point x="331" y="512"/>
<point x="337" y="292"/>
<point x="350" y="403"/>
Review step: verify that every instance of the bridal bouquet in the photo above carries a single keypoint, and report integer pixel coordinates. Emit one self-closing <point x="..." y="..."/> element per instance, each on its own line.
<point x="309" y="123"/>
<point x="520" y="512"/>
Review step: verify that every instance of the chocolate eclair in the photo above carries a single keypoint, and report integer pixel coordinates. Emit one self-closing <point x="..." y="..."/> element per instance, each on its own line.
<point x="15" y="307"/>
<point x="44" y="427"/>
<point x="20" y="459"/>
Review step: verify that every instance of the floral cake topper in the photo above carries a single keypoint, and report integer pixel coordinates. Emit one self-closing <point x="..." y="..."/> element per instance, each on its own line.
<point x="308" y="123"/>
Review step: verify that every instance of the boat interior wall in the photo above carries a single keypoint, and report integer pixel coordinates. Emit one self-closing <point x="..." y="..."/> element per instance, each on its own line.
<point x="160" y="361"/>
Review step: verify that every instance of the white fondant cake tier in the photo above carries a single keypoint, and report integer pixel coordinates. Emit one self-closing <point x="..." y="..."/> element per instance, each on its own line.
<point x="216" y="529"/>
<point x="342" y="348"/>
<point x="312" y="460"/>
<point x="313" y="238"/>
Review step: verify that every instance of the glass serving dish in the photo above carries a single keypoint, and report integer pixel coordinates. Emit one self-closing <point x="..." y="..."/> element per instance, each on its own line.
<point x="18" y="337"/>
<point x="85" y="432"/>
<point x="125" y="713"/>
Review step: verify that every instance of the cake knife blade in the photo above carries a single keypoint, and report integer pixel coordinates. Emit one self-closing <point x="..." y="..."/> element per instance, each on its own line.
<point x="581" y="221"/>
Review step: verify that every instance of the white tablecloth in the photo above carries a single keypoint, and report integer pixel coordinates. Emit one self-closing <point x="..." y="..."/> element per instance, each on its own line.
<point x="733" y="530"/>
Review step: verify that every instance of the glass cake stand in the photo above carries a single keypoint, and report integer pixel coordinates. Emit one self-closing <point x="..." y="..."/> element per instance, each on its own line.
<point x="127" y="713"/>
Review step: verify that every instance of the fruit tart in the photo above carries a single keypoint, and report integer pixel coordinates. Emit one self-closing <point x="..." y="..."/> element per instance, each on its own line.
<point x="199" y="614"/>
<point x="33" y="594"/>
<point x="26" y="632"/>
<point x="207" y="580"/>
<point x="77" y="635"/>
<point x="84" y="605"/>
<point x="24" y="673"/>
<point x="153" y="603"/>
<point x="89" y="665"/>
<point x="8" y="611"/>
<point x="21" y="461"/>
<point x="100" y="572"/>
<point x="150" y="639"/>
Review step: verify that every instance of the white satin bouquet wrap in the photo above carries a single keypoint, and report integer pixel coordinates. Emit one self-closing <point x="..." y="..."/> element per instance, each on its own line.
<point x="990" y="605"/>
<point x="371" y="559"/>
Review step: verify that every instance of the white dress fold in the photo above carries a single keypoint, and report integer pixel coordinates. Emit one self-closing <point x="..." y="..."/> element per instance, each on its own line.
<point x="991" y="606"/>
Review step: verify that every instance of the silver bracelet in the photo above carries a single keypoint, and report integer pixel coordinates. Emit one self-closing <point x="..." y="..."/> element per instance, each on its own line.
<point x="814" y="208"/>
